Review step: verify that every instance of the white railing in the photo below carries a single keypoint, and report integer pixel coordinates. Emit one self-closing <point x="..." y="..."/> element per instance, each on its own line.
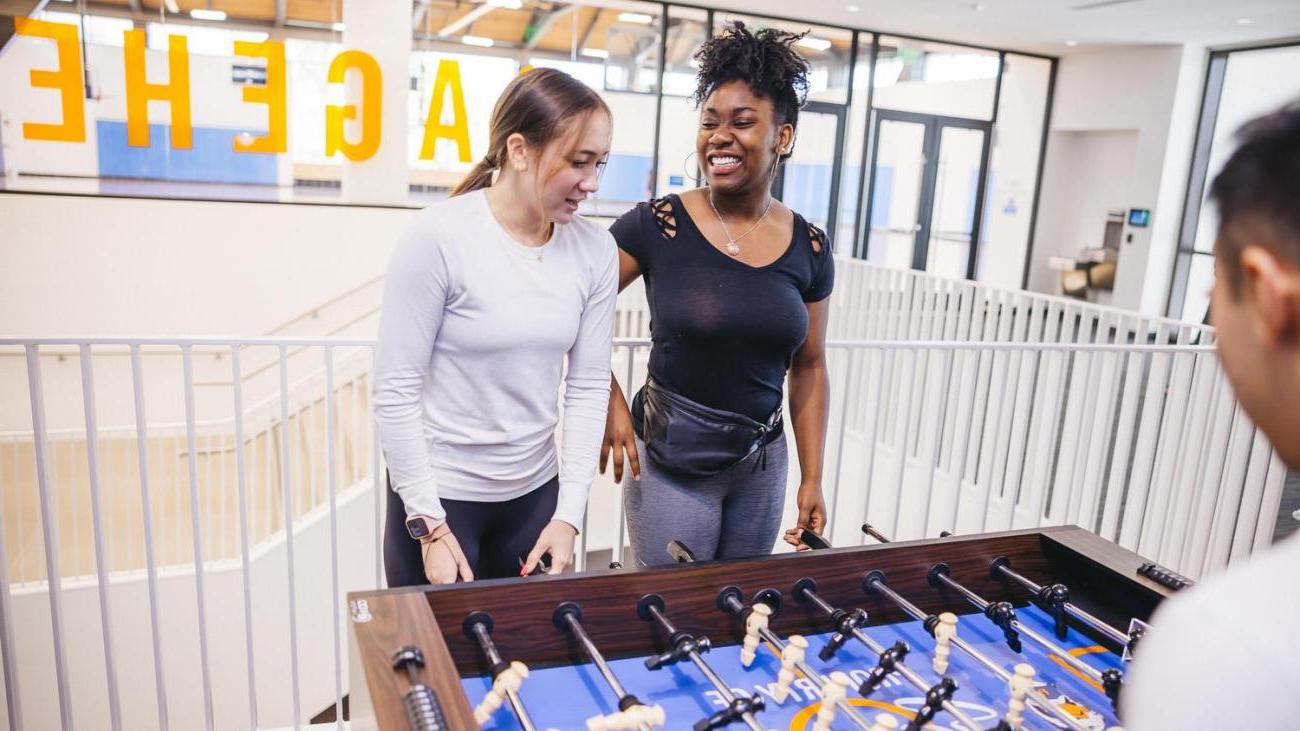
<point x="873" y="302"/>
<point x="1142" y="443"/>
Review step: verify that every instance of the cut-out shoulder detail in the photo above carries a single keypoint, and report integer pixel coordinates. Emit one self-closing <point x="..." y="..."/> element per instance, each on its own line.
<point x="817" y="238"/>
<point x="665" y="219"/>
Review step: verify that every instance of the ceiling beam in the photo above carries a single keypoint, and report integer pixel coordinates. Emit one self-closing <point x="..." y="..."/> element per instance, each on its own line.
<point x="547" y="23"/>
<point x="465" y="20"/>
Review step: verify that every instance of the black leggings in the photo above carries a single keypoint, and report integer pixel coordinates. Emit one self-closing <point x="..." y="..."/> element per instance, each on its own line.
<point x="492" y="535"/>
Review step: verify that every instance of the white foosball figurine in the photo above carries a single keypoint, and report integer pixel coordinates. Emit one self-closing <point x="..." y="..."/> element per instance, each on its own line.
<point x="884" y="722"/>
<point x="755" y="623"/>
<point x="510" y="679"/>
<point x="833" y="693"/>
<point x="944" y="632"/>
<point x="1021" y="683"/>
<point x="629" y="720"/>
<point x="796" y="647"/>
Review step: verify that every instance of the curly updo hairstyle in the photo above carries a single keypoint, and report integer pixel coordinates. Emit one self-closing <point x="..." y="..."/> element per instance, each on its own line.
<point x="765" y="60"/>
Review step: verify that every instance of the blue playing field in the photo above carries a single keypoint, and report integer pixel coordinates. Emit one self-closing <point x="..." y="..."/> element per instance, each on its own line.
<point x="565" y="697"/>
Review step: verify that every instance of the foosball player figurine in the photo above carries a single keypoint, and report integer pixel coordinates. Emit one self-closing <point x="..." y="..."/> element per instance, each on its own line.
<point x="755" y="623"/>
<point x="796" y="648"/>
<point x="944" y="631"/>
<point x="833" y="693"/>
<point x="1020" y="684"/>
<point x="507" y="680"/>
<point x="884" y="722"/>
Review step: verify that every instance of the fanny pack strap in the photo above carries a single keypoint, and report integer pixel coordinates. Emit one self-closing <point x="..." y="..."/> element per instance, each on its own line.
<point x="767" y="428"/>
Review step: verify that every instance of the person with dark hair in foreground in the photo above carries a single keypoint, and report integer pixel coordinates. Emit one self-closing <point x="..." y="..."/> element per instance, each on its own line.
<point x="1226" y="654"/>
<point x="738" y="288"/>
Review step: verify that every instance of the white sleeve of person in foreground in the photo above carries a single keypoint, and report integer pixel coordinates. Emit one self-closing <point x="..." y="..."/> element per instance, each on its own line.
<point x="415" y="293"/>
<point x="1224" y="654"/>
<point x="586" y="392"/>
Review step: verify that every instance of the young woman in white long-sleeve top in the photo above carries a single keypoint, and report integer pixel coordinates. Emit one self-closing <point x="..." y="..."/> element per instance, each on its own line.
<point x="487" y="296"/>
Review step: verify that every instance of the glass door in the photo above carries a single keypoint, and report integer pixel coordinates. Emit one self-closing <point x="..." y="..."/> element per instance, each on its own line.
<point x="926" y="192"/>
<point x="810" y="180"/>
<point x="897" y="187"/>
<point x="954" y="209"/>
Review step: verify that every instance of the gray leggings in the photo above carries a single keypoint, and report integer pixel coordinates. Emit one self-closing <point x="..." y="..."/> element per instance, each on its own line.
<point x="732" y="514"/>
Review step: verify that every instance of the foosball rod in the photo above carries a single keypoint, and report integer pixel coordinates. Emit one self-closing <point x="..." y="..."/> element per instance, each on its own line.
<point x="806" y="590"/>
<point x="652" y="611"/>
<point x="1110" y="680"/>
<point x="568" y="617"/>
<point x="479" y="624"/>
<point x="1057" y="596"/>
<point x="729" y="601"/>
<point x="870" y="530"/>
<point x="875" y="582"/>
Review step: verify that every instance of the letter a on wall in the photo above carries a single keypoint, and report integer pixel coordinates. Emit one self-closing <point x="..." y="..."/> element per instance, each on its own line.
<point x="447" y="79"/>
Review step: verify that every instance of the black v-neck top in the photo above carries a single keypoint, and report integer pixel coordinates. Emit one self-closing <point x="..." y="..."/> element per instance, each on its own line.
<point x="723" y="332"/>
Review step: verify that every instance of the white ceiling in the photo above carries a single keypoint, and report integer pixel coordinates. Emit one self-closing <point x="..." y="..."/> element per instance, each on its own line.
<point x="1046" y="25"/>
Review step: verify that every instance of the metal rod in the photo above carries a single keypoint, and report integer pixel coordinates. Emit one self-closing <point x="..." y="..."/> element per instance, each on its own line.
<point x="142" y="450"/>
<point x="915" y="612"/>
<point x="101" y="559"/>
<point x="1016" y="625"/>
<point x="598" y="659"/>
<point x="737" y="607"/>
<point x="902" y="669"/>
<point x="723" y="689"/>
<point x="331" y="485"/>
<point x="494" y="659"/>
<point x="849" y="376"/>
<point x="205" y="670"/>
<point x="13" y="702"/>
<point x="1072" y="609"/>
<point x="975" y="599"/>
<point x="236" y="379"/>
<point x="817" y="680"/>
<point x="287" y="521"/>
<point x="53" y="571"/>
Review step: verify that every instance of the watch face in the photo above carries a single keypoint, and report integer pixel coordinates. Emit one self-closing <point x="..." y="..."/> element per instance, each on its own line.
<point x="417" y="527"/>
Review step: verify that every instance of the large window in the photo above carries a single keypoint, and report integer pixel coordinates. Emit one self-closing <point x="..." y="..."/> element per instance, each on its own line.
<point x="1240" y="86"/>
<point x="462" y="54"/>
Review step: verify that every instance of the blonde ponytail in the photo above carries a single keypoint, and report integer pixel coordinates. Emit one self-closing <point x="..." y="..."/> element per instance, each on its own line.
<point x="479" y="177"/>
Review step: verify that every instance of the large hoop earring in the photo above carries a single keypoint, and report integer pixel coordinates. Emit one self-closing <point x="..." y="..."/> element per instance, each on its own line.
<point x="695" y="177"/>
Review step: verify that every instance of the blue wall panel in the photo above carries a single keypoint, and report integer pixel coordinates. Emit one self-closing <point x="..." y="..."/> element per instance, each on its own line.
<point x="211" y="160"/>
<point x="626" y="178"/>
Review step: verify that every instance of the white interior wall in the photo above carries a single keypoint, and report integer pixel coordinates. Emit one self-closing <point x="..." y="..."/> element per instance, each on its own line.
<point x="1073" y="209"/>
<point x="1151" y="90"/>
<point x="87" y="265"/>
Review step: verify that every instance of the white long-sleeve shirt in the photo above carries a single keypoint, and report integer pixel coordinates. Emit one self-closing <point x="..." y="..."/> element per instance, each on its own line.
<point x="473" y="336"/>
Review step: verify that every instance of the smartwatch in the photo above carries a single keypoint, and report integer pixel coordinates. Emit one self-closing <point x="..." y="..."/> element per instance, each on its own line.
<point x="419" y="527"/>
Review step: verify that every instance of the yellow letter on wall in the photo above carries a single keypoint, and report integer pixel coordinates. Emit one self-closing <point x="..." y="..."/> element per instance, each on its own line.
<point x="458" y="131"/>
<point x="272" y="94"/>
<point x="66" y="78"/>
<point x="139" y="92"/>
<point x="371" y="107"/>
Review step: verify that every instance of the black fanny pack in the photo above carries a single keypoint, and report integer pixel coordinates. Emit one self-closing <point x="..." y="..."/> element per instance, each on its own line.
<point x="693" y="440"/>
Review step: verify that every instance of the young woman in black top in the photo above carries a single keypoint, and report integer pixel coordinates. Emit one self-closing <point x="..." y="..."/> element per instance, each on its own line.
<point x="737" y="285"/>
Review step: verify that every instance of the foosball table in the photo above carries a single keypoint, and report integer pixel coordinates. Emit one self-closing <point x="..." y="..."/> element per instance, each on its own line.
<point x="1021" y="629"/>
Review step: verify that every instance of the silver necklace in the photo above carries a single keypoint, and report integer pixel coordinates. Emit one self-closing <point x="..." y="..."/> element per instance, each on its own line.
<point x="733" y="248"/>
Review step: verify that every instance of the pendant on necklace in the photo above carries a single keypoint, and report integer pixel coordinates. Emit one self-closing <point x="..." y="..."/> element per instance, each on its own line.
<point x="733" y="248"/>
